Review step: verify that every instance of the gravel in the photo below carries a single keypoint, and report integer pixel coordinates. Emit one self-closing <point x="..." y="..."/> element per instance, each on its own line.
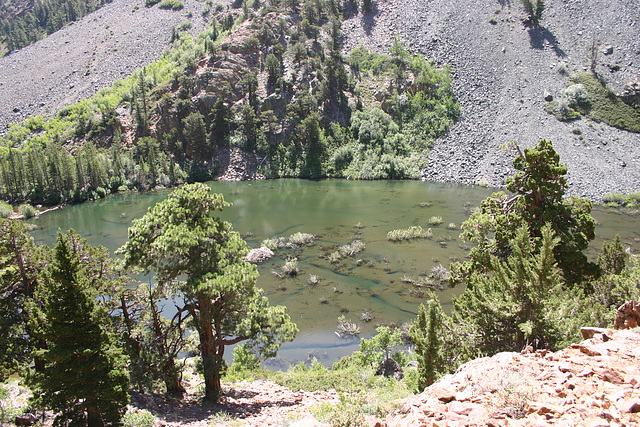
<point x="87" y="55"/>
<point x="501" y="73"/>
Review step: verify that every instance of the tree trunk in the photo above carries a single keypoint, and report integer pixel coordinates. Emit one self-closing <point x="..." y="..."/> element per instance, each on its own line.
<point x="170" y="374"/>
<point x="93" y="417"/>
<point x="211" y="356"/>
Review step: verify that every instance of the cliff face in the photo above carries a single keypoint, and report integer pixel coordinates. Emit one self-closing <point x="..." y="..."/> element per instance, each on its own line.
<point x="593" y="383"/>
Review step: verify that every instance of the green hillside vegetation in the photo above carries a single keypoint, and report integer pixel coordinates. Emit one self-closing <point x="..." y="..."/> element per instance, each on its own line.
<point x="268" y="81"/>
<point x="38" y="19"/>
<point x="586" y="96"/>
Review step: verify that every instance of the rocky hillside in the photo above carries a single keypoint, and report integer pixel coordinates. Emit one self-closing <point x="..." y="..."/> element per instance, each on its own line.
<point x="593" y="383"/>
<point x="502" y="72"/>
<point x="78" y="60"/>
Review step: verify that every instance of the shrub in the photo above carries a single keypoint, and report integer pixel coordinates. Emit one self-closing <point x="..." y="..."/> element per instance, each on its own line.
<point x="171" y="4"/>
<point x="150" y="3"/>
<point x="27" y="210"/>
<point x="576" y="95"/>
<point x="138" y="417"/>
<point x="493" y="21"/>
<point x="6" y="210"/>
<point x="562" y="68"/>
<point x="250" y="45"/>
<point x="244" y="362"/>
<point x="534" y="10"/>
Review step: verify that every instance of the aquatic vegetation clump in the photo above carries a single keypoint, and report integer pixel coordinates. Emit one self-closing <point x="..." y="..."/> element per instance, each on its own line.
<point x="350" y="249"/>
<point x="346" y="328"/>
<point x="292" y="242"/>
<point x="275" y="243"/>
<point x="301" y="239"/>
<point x="435" y="220"/>
<point x="413" y="232"/>
<point x="440" y="272"/>
<point x="290" y="267"/>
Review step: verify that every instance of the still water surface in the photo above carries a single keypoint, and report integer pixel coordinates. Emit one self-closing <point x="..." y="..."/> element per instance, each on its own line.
<point x="374" y="281"/>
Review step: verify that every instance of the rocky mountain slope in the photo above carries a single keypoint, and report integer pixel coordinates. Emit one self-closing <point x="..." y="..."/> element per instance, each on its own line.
<point x="501" y="74"/>
<point x="77" y="61"/>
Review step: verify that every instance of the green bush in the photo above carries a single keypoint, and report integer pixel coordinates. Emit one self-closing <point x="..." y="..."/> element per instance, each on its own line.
<point x="602" y="106"/>
<point x="138" y="417"/>
<point x="250" y="45"/>
<point x="171" y="5"/>
<point x="6" y="210"/>
<point x="27" y="210"/>
<point x="576" y="95"/>
<point x="150" y="3"/>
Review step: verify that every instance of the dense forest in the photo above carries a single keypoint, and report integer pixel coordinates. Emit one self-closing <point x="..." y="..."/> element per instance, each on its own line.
<point x="271" y="81"/>
<point x="39" y="18"/>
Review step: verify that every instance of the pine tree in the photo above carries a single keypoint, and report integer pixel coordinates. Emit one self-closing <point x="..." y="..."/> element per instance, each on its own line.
<point x="84" y="380"/>
<point x="538" y="199"/>
<point x="203" y="259"/>
<point x="426" y="334"/>
<point x="519" y="301"/>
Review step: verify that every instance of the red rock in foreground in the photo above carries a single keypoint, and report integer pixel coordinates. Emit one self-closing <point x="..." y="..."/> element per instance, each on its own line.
<point x="593" y="383"/>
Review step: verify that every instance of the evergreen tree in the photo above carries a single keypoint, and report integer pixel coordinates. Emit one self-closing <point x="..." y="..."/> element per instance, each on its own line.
<point x="426" y="334"/>
<point x="538" y="199"/>
<point x="519" y="302"/>
<point x="204" y="260"/>
<point x="21" y="263"/>
<point x="84" y="380"/>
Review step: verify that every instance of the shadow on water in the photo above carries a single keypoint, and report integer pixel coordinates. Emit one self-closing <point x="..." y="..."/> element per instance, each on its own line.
<point x="539" y="35"/>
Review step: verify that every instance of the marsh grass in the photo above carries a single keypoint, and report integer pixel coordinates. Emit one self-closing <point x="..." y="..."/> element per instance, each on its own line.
<point x="435" y="220"/>
<point x="413" y="232"/>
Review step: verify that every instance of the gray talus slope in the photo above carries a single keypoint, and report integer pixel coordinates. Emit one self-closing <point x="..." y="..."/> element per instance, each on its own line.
<point x="75" y="62"/>
<point x="501" y="73"/>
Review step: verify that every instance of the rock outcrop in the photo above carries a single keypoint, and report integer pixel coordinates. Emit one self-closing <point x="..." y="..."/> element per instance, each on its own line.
<point x="628" y="315"/>
<point x="593" y="383"/>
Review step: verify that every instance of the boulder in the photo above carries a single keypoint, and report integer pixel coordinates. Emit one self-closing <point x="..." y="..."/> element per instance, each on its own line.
<point x="631" y="93"/>
<point x="628" y="315"/>
<point x="390" y="368"/>
<point x="259" y="255"/>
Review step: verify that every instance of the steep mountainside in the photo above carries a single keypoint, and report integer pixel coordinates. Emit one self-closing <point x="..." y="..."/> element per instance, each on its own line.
<point x="78" y="60"/>
<point x="502" y="72"/>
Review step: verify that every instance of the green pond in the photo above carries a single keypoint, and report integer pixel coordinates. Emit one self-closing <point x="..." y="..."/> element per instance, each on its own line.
<point x="378" y="281"/>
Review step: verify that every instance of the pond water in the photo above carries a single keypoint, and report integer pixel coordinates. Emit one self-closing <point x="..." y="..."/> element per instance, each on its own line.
<point x="378" y="282"/>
